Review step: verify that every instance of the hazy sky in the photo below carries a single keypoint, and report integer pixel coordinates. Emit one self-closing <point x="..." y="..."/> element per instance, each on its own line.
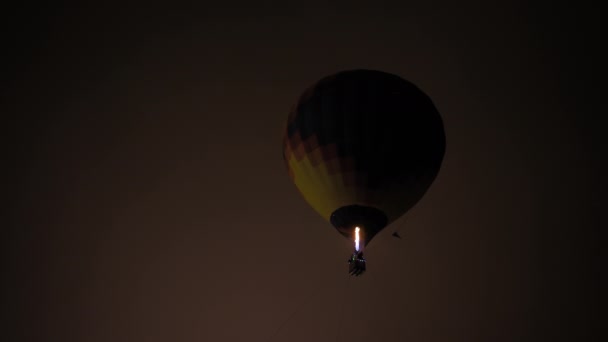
<point x="148" y="200"/>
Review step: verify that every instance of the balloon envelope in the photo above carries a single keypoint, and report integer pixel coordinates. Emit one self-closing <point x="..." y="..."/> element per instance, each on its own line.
<point x="362" y="147"/>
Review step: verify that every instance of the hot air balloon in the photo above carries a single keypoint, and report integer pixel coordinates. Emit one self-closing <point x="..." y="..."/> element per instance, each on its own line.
<point x="363" y="147"/>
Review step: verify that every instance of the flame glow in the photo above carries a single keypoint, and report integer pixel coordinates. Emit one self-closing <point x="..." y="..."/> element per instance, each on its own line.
<point x="357" y="239"/>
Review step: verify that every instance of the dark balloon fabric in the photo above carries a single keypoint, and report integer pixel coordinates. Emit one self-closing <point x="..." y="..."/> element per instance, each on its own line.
<point x="362" y="147"/>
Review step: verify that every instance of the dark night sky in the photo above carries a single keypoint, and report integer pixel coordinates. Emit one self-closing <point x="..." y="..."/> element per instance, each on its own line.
<point x="148" y="200"/>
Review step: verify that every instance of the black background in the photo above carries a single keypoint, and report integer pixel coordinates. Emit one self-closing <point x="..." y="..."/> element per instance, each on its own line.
<point x="148" y="201"/>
